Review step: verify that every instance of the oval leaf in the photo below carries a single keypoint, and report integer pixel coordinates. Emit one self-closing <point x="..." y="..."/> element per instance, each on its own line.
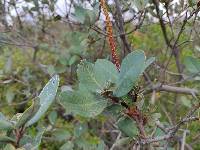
<point x="86" y="76"/>
<point x="28" y="113"/>
<point x="127" y="126"/>
<point x="4" y="123"/>
<point x="6" y="139"/>
<point x="46" y="96"/>
<point x="192" y="64"/>
<point x="132" y="67"/>
<point x="96" y="77"/>
<point x="105" y="71"/>
<point x="83" y="103"/>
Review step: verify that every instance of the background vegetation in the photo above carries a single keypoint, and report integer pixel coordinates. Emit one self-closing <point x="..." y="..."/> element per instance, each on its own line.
<point x="156" y="109"/>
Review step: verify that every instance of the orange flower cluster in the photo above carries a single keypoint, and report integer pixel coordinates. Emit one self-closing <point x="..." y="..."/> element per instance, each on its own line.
<point x="110" y="34"/>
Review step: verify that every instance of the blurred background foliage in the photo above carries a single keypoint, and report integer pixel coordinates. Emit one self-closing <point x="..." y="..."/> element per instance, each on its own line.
<point x="52" y="43"/>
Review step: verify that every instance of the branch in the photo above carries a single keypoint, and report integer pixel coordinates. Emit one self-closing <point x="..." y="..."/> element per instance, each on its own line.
<point x="164" y="31"/>
<point x="120" y="24"/>
<point x="173" y="89"/>
<point x="170" y="134"/>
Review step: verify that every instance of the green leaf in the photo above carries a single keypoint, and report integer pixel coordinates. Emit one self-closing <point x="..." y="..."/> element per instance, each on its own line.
<point x="52" y="117"/>
<point x="4" y="138"/>
<point x="8" y="65"/>
<point x="86" y="16"/>
<point x="32" y="143"/>
<point x="67" y="146"/>
<point x="80" y="14"/>
<point x="105" y="71"/>
<point x="140" y="4"/>
<point x="61" y="135"/>
<point x="37" y="140"/>
<point x="74" y="59"/>
<point x="10" y="95"/>
<point x="132" y="67"/>
<point x="9" y="147"/>
<point x="16" y="118"/>
<point x="192" y="64"/>
<point x="114" y="110"/>
<point x="186" y="102"/>
<point x="101" y="145"/>
<point x="85" y="144"/>
<point x="26" y="141"/>
<point x="80" y="129"/>
<point x="83" y="103"/>
<point x="96" y="77"/>
<point x="153" y="118"/>
<point x="149" y="61"/>
<point x="121" y="142"/>
<point x="86" y="76"/>
<point x="46" y="96"/>
<point x="127" y="126"/>
<point x="4" y="123"/>
<point x="28" y="113"/>
<point x="159" y="132"/>
<point x="51" y="70"/>
<point x="192" y="3"/>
